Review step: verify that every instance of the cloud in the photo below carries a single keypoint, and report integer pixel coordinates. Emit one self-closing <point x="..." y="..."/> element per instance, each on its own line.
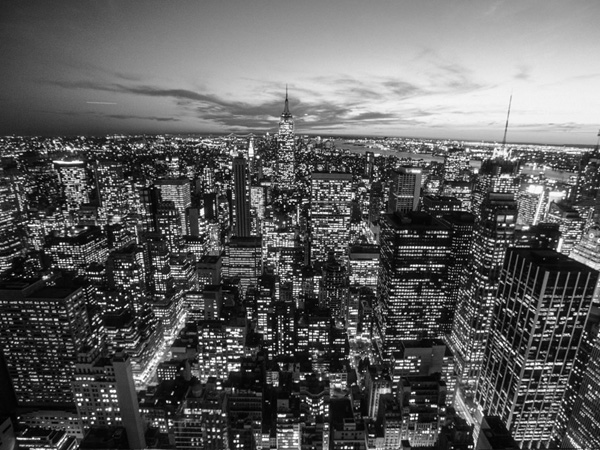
<point x="380" y="101"/>
<point x="523" y="73"/>
<point x="128" y="117"/>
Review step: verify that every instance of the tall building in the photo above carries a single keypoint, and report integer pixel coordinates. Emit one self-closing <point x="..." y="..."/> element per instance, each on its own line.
<point x="492" y="235"/>
<point x="531" y="204"/>
<point x="569" y="223"/>
<point x="112" y="191"/>
<point x="41" y="330"/>
<point x="243" y="260"/>
<point x="10" y="242"/>
<point x="74" y="182"/>
<point x="105" y="394"/>
<point x="415" y="251"/>
<point x="331" y="194"/>
<point x="538" y="320"/>
<point x="241" y="192"/>
<point x="462" y="225"/>
<point x="177" y="190"/>
<point x="497" y="176"/>
<point x="286" y="147"/>
<point x="75" y="248"/>
<point x="363" y="265"/>
<point x="405" y="190"/>
<point x="457" y="165"/>
<point x="582" y="428"/>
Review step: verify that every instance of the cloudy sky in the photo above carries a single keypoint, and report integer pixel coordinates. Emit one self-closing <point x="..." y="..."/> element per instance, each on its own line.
<point x="404" y="68"/>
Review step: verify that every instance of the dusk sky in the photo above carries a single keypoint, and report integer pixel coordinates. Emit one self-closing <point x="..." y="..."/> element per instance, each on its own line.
<point x="442" y="69"/>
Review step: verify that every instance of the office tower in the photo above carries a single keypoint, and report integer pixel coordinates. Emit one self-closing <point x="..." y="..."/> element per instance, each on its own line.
<point x="333" y="291"/>
<point x="492" y="235"/>
<point x="75" y="248"/>
<point x="587" y="250"/>
<point x="158" y="262"/>
<point x="331" y="194"/>
<point x="200" y="422"/>
<point x="542" y="235"/>
<point x="461" y="225"/>
<point x="425" y="357"/>
<point x="176" y="190"/>
<point x="376" y="202"/>
<point x="498" y="176"/>
<point x="540" y="311"/>
<point x="363" y="266"/>
<point x="257" y="208"/>
<point x="569" y="223"/>
<point x="588" y="180"/>
<point x="415" y="251"/>
<point x="168" y="224"/>
<point x="438" y="205"/>
<point x="243" y="260"/>
<point x="423" y="402"/>
<point x="126" y="275"/>
<point x="457" y="165"/>
<point x="530" y="202"/>
<point x="41" y="330"/>
<point x="220" y="347"/>
<point x="286" y="148"/>
<point x="241" y="192"/>
<point x="369" y="165"/>
<point x="405" y="190"/>
<point x="378" y="382"/>
<point x="582" y="428"/>
<point x="10" y="241"/>
<point x="112" y="191"/>
<point x="105" y="394"/>
<point x="462" y="190"/>
<point x="74" y="182"/>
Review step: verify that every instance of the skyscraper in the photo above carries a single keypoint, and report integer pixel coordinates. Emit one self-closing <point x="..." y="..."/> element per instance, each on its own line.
<point x="73" y="177"/>
<point x="241" y="192"/>
<point x="41" y="330"/>
<point x="405" y="190"/>
<point x="415" y="251"/>
<point x="177" y="190"/>
<point x="492" y="235"/>
<point x="539" y="315"/>
<point x="10" y="243"/>
<point x="105" y="394"/>
<point x="582" y="429"/>
<point x="285" y="147"/>
<point x="331" y="194"/>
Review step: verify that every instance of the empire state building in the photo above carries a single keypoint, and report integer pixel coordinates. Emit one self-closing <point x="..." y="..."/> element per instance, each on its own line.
<point x="285" y="148"/>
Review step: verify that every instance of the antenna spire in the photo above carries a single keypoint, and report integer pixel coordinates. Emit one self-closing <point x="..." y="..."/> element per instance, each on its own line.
<point x="506" y="126"/>
<point x="286" y="109"/>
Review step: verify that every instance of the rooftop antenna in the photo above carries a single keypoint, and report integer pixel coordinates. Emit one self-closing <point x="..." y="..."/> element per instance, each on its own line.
<point x="504" y="154"/>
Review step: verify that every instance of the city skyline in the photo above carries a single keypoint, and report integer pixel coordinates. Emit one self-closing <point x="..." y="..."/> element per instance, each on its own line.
<point x="426" y="69"/>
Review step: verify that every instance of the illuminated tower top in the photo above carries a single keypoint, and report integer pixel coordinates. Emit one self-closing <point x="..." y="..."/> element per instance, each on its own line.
<point x="286" y="108"/>
<point x="285" y="147"/>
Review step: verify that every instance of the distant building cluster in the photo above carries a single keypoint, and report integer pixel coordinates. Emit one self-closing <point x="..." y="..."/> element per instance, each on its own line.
<point x="284" y="292"/>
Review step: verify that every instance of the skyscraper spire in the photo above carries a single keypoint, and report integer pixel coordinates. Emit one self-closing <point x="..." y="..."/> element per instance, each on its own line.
<point x="286" y="109"/>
